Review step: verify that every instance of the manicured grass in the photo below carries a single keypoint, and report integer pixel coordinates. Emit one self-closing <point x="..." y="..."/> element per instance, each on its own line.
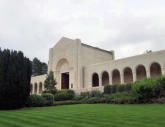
<point x="85" y="115"/>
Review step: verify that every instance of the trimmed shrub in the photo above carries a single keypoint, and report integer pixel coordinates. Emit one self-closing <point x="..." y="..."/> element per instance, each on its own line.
<point x="95" y="100"/>
<point x="71" y="94"/>
<point x="128" y="87"/>
<point x="108" y="98"/>
<point x="114" y="88"/>
<point x="78" y="97"/>
<point x="107" y="89"/>
<point x="160" y="100"/>
<point x="95" y="93"/>
<point x="85" y="94"/>
<point x="61" y="95"/>
<point x="64" y="95"/>
<point x="36" y="101"/>
<point x="49" y="98"/>
<point x="52" y="91"/>
<point x="67" y="102"/>
<point x="120" y="88"/>
<point x="125" y="98"/>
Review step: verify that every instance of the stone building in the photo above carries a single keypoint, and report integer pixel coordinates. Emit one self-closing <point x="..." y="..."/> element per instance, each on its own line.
<point x="81" y="67"/>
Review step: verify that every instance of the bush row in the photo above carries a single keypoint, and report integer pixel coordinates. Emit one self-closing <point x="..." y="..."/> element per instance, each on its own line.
<point x="62" y="95"/>
<point x="110" y="89"/>
<point x="146" y="91"/>
<point x="116" y="98"/>
<point x="47" y="99"/>
<point x="66" y="102"/>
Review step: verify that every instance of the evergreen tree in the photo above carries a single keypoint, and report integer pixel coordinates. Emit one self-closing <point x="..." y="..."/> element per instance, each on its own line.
<point x="15" y="75"/>
<point x="38" y="68"/>
<point x="50" y="82"/>
<point x="44" y="68"/>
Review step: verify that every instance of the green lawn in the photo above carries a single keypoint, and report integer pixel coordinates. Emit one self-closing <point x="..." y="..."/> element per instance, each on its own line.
<point x="85" y="115"/>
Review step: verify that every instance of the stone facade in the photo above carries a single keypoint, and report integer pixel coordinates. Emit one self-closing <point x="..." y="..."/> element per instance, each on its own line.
<point x="83" y="68"/>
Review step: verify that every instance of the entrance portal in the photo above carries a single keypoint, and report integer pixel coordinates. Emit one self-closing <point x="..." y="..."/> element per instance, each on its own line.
<point x="65" y="80"/>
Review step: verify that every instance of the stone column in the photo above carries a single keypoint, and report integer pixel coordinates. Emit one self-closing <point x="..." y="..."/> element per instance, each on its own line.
<point x="110" y="78"/>
<point x="122" y="77"/>
<point x="38" y="85"/>
<point x="148" y="71"/>
<point x="79" y="64"/>
<point x="100" y="80"/>
<point x="163" y="70"/>
<point x="134" y="76"/>
<point x="33" y="88"/>
<point x="43" y="87"/>
<point x="148" y="74"/>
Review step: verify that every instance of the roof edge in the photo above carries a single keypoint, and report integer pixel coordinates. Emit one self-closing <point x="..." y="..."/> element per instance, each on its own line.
<point x="97" y="48"/>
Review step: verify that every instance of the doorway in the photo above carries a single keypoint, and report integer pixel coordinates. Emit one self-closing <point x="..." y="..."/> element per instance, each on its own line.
<point x="65" y="80"/>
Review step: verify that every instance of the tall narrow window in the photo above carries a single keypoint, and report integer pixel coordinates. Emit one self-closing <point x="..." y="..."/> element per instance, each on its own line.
<point x="95" y="80"/>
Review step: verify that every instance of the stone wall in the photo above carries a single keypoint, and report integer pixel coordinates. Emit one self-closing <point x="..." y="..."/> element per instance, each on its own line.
<point x="130" y="69"/>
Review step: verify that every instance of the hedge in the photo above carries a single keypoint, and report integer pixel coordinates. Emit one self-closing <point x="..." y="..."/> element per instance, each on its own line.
<point x="62" y="95"/>
<point x="67" y="102"/>
<point x="49" y="98"/>
<point x="36" y="101"/>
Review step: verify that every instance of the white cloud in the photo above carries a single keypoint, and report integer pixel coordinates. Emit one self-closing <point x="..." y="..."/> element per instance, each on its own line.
<point x="128" y="27"/>
<point x="133" y="49"/>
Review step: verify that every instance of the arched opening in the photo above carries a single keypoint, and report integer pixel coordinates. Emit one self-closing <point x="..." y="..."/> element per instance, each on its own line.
<point x="116" y="77"/>
<point x="105" y="78"/>
<point x="63" y="73"/>
<point x="35" y="88"/>
<point x="155" y="70"/>
<point x="31" y="88"/>
<point x="95" y="80"/>
<point x="128" y="76"/>
<point x="140" y="72"/>
<point x="40" y="88"/>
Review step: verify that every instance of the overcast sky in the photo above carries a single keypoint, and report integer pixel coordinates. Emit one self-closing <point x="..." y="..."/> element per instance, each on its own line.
<point x="128" y="27"/>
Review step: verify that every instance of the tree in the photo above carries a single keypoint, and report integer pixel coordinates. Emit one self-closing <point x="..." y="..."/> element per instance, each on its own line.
<point x="15" y="75"/>
<point x="50" y="83"/>
<point x="38" y="67"/>
<point x="44" y="68"/>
